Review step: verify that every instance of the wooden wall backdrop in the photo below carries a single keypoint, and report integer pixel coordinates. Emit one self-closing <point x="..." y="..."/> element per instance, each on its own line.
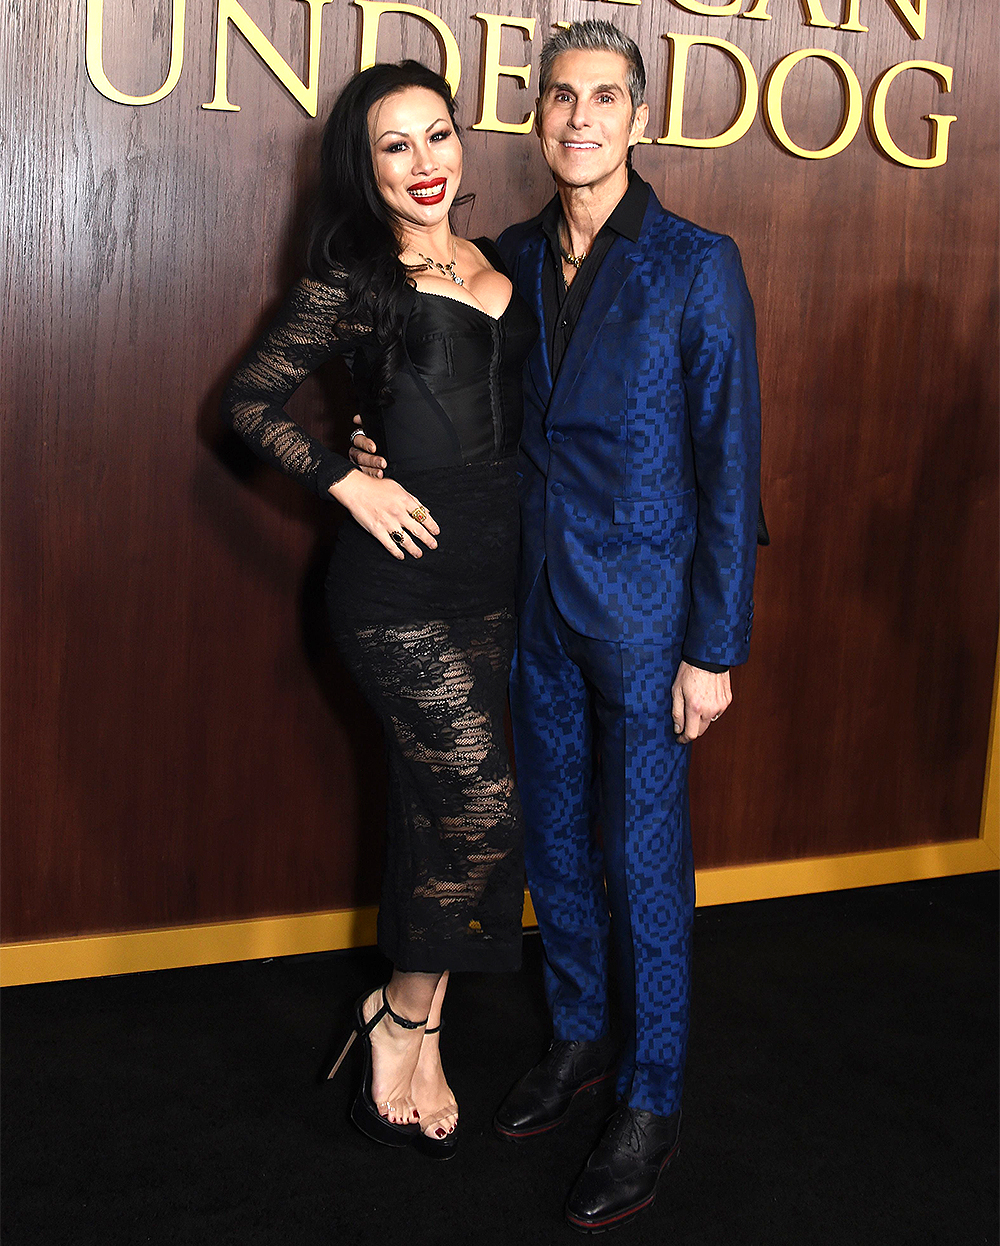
<point x="180" y="745"/>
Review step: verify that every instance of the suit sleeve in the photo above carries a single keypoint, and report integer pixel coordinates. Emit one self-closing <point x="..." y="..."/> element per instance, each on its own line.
<point x="718" y="348"/>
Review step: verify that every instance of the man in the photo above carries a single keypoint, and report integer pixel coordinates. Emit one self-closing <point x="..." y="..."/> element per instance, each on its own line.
<point x="640" y="461"/>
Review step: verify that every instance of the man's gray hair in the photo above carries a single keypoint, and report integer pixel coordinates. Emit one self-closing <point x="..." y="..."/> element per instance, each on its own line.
<point x="595" y="36"/>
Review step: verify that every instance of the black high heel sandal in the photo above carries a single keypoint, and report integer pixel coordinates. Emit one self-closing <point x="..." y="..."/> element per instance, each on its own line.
<point x="437" y="1148"/>
<point x="364" y="1113"/>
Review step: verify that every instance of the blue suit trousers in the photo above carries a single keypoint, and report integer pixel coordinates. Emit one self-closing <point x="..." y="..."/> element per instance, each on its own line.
<point x="604" y="787"/>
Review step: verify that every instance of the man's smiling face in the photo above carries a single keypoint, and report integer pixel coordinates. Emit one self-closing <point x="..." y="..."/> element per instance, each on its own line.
<point x="585" y="119"/>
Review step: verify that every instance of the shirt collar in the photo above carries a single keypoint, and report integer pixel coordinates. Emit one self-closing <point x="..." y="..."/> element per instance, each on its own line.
<point x="626" y="217"/>
<point x="630" y="209"/>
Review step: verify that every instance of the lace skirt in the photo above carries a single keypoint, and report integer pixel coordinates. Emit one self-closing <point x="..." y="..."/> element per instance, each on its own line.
<point x="430" y="643"/>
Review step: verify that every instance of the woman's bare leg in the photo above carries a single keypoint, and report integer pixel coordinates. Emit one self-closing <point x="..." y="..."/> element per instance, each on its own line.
<point x="430" y="1090"/>
<point x="395" y="1049"/>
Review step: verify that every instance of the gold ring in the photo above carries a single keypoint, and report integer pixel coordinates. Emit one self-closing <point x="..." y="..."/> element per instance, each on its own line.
<point x="397" y="537"/>
<point x="418" y="513"/>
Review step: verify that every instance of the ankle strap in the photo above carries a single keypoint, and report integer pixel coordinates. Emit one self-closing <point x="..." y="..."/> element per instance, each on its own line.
<point x="435" y="1029"/>
<point x="405" y="1022"/>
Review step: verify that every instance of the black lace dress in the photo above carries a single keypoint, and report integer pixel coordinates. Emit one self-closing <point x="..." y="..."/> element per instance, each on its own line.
<point x="429" y="640"/>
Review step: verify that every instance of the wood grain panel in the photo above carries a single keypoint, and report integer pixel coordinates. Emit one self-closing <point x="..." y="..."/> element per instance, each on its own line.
<point x="180" y="743"/>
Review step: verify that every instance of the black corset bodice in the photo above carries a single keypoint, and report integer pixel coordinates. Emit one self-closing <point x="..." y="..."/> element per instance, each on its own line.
<point x="457" y="395"/>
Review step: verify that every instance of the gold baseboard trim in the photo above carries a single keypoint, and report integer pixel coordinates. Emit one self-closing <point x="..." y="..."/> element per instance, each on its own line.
<point x="732" y="884"/>
<point x="174" y="947"/>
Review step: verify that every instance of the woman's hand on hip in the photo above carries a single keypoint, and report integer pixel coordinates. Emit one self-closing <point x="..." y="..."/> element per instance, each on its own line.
<point x="386" y="510"/>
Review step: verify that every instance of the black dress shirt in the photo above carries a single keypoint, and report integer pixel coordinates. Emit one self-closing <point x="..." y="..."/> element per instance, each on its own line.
<point x="561" y="305"/>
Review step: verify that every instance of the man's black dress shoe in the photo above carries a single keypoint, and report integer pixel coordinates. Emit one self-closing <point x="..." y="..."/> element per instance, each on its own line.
<point x="542" y="1097"/>
<point x="619" y="1179"/>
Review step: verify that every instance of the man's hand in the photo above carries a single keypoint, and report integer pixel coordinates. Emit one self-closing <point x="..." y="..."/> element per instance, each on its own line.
<point x="364" y="453"/>
<point x="699" y="697"/>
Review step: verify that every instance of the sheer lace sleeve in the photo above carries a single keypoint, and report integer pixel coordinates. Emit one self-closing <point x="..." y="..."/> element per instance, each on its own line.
<point x="305" y="333"/>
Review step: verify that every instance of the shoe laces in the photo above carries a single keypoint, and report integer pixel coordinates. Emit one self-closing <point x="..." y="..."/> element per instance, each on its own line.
<point x="626" y="1132"/>
<point x="561" y="1054"/>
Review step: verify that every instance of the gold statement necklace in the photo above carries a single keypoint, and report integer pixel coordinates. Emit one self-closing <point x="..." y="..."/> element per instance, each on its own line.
<point x="446" y="270"/>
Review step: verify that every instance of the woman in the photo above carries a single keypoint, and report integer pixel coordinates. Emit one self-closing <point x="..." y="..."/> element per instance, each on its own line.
<point x="421" y="584"/>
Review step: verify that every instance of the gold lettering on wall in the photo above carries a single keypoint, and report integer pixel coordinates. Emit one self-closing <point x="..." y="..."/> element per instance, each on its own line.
<point x="372" y="12"/>
<point x="854" y="103"/>
<point x="913" y="15"/>
<point x="813" y="8"/>
<point x="680" y="46"/>
<point x="304" y="93"/>
<point x="710" y="10"/>
<point x="815" y="15"/>
<point x="940" y="125"/>
<point x="852" y="17"/>
<point x="493" y="28"/>
<point x="95" y="56"/>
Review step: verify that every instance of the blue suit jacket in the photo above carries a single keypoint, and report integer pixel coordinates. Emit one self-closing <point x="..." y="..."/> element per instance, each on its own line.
<point x="640" y="464"/>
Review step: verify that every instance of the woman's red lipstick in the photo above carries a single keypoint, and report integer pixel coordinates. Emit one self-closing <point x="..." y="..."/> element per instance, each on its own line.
<point x="433" y="191"/>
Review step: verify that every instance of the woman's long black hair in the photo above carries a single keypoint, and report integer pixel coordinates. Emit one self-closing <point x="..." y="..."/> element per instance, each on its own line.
<point x="353" y="231"/>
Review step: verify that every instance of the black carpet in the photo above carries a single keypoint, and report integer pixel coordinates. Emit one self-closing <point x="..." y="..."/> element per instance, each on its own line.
<point x="842" y="1088"/>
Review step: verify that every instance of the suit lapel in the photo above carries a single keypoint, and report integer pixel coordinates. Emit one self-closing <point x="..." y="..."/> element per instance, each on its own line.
<point x="614" y="272"/>
<point x="531" y="287"/>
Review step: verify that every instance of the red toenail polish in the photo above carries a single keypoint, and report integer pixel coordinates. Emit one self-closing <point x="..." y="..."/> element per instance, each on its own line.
<point x="440" y="1133"/>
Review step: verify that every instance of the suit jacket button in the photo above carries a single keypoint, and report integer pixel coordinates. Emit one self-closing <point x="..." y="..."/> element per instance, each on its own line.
<point x="557" y="436"/>
<point x="556" y="489"/>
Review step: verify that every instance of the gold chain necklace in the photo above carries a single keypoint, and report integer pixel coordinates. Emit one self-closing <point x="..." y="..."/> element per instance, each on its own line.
<point x="446" y="270"/>
<point x="575" y="260"/>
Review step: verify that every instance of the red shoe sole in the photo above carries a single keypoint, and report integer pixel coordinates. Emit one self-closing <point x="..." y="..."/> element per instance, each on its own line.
<point x="610" y="1222"/>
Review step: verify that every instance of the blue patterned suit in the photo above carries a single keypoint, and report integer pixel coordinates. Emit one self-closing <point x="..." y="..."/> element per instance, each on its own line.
<point x="639" y="496"/>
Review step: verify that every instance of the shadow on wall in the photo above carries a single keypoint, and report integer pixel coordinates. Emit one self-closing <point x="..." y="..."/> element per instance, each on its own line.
<point x="329" y="407"/>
